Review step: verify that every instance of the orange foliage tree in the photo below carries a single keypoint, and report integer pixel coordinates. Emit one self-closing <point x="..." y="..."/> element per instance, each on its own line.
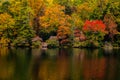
<point x="63" y="34"/>
<point x="55" y="19"/>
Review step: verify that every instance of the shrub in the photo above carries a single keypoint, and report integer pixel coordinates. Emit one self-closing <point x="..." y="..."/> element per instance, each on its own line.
<point x="79" y="44"/>
<point x="117" y="40"/>
<point x="20" y="41"/>
<point x="86" y="44"/>
<point x="92" y="44"/>
<point x="52" y="43"/>
<point x="95" y="31"/>
<point x="36" y="44"/>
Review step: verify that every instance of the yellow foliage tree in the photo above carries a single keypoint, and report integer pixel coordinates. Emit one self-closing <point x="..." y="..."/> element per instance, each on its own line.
<point x="6" y="21"/>
<point x="53" y="18"/>
<point x="15" y="7"/>
<point x="84" y="10"/>
<point x="37" y="7"/>
<point x="6" y="26"/>
<point x="76" y="21"/>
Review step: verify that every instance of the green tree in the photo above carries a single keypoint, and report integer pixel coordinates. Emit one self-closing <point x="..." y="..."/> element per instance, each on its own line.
<point x="15" y="21"/>
<point x="24" y="29"/>
<point x="37" y="7"/>
<point x="7" y="27"/>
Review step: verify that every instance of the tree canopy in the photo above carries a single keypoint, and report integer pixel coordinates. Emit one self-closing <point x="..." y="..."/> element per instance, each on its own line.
<point x="25" y="19"/>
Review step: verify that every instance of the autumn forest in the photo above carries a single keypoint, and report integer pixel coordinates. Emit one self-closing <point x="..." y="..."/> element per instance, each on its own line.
<point x="75" y="23"/>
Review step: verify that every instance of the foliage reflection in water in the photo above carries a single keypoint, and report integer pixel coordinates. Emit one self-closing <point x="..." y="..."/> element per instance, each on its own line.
<point x="59" y="64"/>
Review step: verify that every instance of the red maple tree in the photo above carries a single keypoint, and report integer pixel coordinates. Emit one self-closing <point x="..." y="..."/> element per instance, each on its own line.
<point x="94" y="26"/>
<point x="111" y="26"/>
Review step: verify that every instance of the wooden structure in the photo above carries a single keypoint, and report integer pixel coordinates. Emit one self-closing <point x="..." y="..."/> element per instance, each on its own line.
<point x="44" y="45"/>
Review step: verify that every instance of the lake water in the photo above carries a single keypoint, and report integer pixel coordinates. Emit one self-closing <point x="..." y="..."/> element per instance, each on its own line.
<point x="59" y="64"/>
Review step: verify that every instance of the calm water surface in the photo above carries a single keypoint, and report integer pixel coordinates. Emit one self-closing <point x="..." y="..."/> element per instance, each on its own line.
<point x="59" y="64"/>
